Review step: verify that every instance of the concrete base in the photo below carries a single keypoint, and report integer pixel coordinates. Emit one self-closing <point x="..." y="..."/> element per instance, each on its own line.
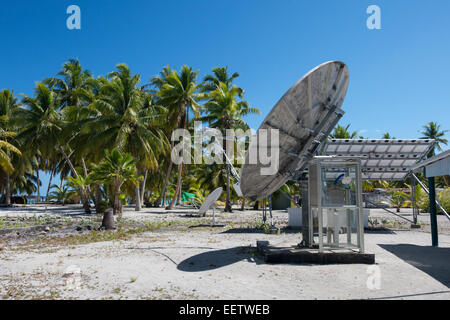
<point x="297" y="255"/>
<point x="415" y="226"/>
<point x="273" y="230"/>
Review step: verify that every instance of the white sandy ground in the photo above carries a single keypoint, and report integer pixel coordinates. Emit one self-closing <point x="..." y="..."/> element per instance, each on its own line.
<point x="215" y="263"/>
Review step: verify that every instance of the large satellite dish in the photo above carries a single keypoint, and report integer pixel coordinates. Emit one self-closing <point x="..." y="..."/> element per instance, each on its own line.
<point x="210" y="200"/>
<point x="304" y="117"/>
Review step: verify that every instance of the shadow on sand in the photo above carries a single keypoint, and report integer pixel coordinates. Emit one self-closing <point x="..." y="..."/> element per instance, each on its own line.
<point x="212" y="260"/>
<point x="433" y="261"/>
<point x="70" y="211"/>
<point x="258" y="230"/>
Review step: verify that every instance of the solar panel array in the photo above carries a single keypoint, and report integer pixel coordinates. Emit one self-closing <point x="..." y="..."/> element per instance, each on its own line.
<point x="386" y="159"/>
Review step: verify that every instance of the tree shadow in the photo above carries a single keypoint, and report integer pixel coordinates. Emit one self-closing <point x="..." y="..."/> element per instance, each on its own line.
<point x="431" y="260"/>
<point x="69" y="211"/>
<point x="216" y="259"/>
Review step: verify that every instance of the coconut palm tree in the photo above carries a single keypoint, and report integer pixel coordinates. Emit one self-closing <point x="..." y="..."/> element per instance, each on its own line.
<point x="341" y="132"/>
<point x="74" y="88"/>
<point x="6" y="149"/>
<point x="165" y="158"/>
<point x="224" y="112"/>
<point x="387" y="136"/>
<point x="432" y="130"/>
<point x="125" y="117"/>
<point x="220" y="74"/>
<point x="8" y="105"/>
<point x="74" y="85"/>
<point x="60" y="194"/>
<point x="178" y="93"/>
<point x="42" y="129"/>
<point x="114" y="170"/>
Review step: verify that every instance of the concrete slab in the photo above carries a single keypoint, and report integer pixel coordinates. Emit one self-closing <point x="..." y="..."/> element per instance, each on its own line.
<point x="295" y="255"/>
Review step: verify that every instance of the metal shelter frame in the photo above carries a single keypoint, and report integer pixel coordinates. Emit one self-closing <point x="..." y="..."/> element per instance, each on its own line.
<point x="431" y="173"/>
<point x="381" y="159"/>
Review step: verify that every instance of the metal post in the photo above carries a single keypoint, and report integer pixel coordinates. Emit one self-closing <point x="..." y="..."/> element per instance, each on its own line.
<point x="305" y="213"/>
<point x="360" y="227"/>
<point x="319" y="205"/>
<point x="270" y="210"/>
<point x="433" y="217"/>
<point x="413" y="197"/>
<point x="264" y="211"/>
<point x="349" y="214"/>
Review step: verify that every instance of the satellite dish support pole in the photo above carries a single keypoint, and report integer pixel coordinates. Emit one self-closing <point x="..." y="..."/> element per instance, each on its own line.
<point x="270" y="210"/>
<point x="305" y="214"/>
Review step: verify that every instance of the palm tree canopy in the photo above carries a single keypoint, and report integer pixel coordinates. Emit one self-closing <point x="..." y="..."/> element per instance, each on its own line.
<point x="5" y="149"/>
<point x="341" y="132"/>
<point x="220" y="74"/>
<point x="224" y="111"/>
<point x="74" y="85"/>
<point x="432" y="130"/>
<point x="8" y="105"/>
<point x="387" y="135"/>
<point x="115" y="168"/>
<point x="40" y="121"/>
<point x="179" y="92"/>
<point x="125" y="117"/>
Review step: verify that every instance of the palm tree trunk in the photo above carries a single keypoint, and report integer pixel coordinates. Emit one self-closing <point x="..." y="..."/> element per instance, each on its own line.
<point x="88" y="189"/>
<point x="84" y="198"/>
<point x="180" y="191"/>
<point x="49" y="184"/>
<point x="180" y="171"/>
<point x="243" y="204"/>
<point x="83" y="164"/>
<point x="38" y="186"/>
<point x="108" y="219"/>
<point x="98" y="198"/>
<point x="8" y="190"/>
<point x="228" y="201"/>
<point x="143" y="187"/>
<point x="116" y="205"/>
<point x="116" y="202"/>
<point x="447" y="181"/>
<point x="137" y="198"/>
<point x="184" y="121"/>
<point x="162" y="195"/>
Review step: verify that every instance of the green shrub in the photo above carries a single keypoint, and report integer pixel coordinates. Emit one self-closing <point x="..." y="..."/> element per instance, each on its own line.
<point x="444" y="199"/>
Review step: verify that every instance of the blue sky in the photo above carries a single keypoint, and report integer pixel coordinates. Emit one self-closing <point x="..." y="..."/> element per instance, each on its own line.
<point x="398" y="75"/>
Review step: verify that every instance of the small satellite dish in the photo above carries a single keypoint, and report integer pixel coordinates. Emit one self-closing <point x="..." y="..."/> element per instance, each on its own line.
<point x="304" y="117"/>
<point x="210" y="200"/>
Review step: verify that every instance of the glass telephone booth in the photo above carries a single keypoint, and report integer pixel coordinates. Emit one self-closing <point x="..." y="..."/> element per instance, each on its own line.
<point x="335" y="203"/>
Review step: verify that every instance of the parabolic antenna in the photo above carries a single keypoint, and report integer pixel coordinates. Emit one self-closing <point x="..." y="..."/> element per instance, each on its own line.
<point x="304" y="117"/>
<point x="210" y="200"/>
